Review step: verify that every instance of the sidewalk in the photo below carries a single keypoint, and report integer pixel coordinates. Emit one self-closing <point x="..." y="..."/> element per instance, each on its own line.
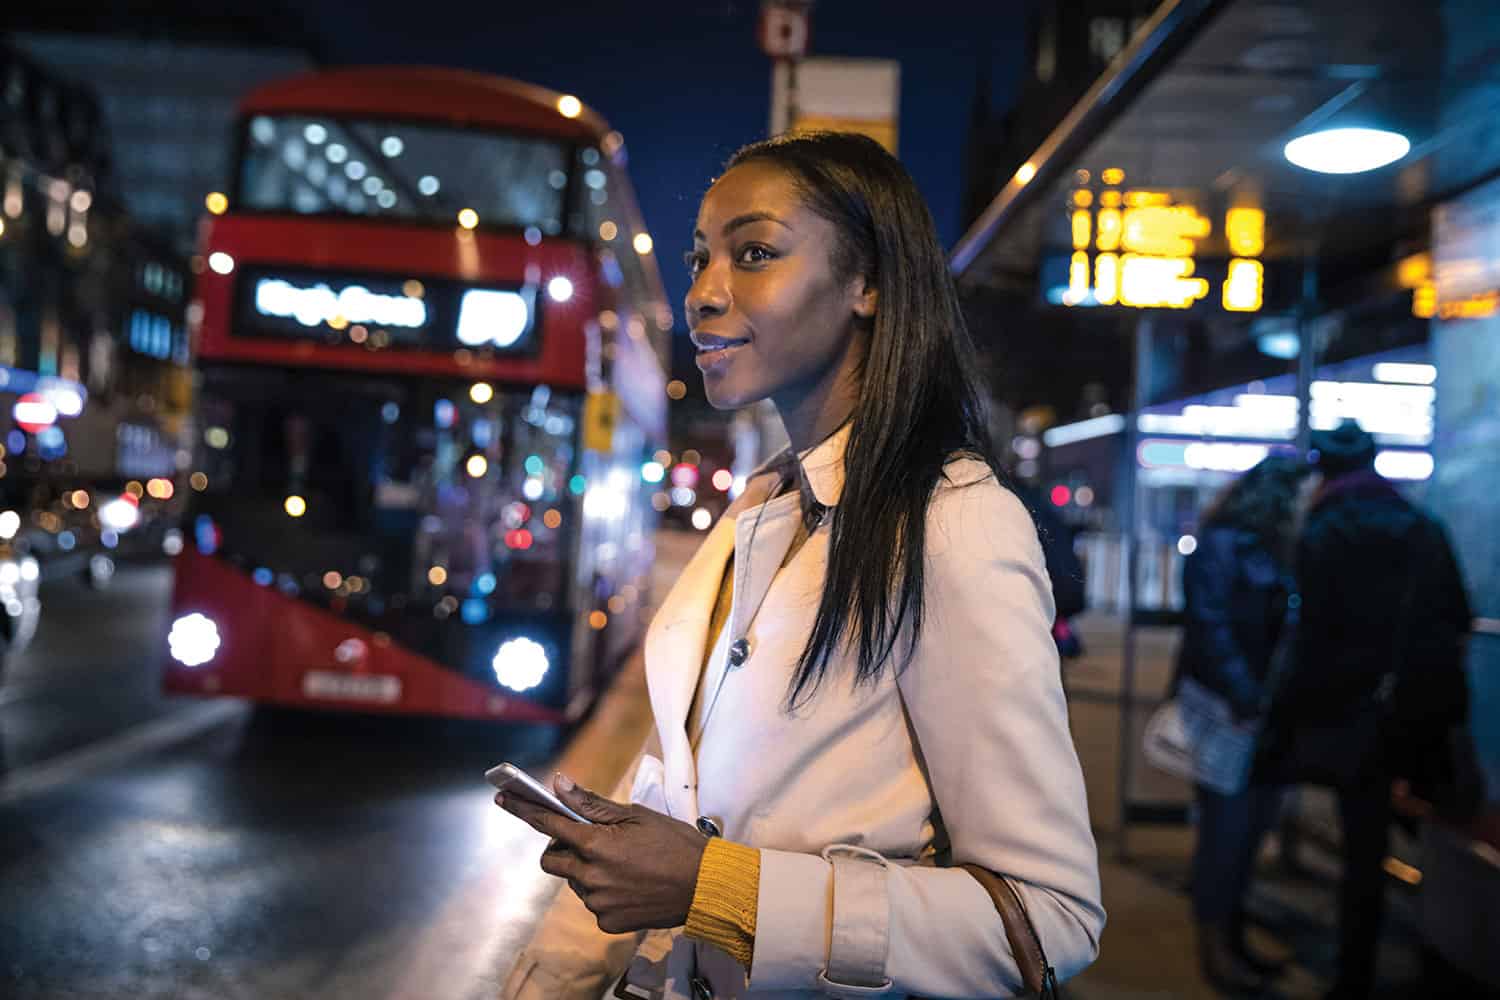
<point x="1149" y="947"/>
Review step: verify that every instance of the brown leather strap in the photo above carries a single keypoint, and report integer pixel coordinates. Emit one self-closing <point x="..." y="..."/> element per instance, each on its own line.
<point x="1036" y="974"/>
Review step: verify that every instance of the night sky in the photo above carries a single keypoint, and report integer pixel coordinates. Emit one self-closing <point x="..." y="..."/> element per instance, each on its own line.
<point x="686" y="84"/>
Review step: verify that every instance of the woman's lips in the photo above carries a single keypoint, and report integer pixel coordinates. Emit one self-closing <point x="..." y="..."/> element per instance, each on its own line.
<point x="714" y="357"/>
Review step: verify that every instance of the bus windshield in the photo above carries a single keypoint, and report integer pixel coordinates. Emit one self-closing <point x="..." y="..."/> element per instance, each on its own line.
<point x="393" y="501"/>
<point x="319" y="165"/>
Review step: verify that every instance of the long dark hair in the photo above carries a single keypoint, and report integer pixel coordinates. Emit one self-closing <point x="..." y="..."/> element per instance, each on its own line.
<point x="920" y="402"/>
<point x="1263" y="502"/>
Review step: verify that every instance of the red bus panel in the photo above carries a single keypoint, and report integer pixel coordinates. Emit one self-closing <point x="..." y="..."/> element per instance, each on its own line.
<point x="346" y="245"/>
<point x="276" y="648"/>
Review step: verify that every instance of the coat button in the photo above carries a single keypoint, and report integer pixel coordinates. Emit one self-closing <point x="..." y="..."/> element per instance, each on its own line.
<point x="708" y="827"/>
<point x="701" y="989"/>
<point x="739" y="652"/>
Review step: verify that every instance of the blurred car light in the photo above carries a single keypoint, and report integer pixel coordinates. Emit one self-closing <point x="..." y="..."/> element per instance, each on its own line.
<point x="120" y="514"/>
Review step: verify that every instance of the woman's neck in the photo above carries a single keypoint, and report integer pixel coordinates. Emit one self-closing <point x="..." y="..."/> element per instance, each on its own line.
<point x="814" y="412"/>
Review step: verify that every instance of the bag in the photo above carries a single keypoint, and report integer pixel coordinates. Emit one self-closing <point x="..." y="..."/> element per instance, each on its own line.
<point x="1195" y="736"/>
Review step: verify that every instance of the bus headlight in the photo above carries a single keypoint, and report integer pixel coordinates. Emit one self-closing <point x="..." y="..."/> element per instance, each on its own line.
<point x="194" y="640"/>
<point x="520" y="664"/>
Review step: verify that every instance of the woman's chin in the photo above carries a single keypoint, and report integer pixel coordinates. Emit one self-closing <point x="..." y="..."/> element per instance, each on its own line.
<point x="724" y="397"/>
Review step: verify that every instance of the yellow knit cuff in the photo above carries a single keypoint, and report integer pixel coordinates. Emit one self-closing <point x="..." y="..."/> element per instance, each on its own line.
<point x="725" y="900"/>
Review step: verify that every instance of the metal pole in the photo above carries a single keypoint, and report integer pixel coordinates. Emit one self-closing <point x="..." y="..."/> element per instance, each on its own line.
<point x="1129" y="518"/>
<point x="1307" y="348"/>
<point x="791" y="93"/>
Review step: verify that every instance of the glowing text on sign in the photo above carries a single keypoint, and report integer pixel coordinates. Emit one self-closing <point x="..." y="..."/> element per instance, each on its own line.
<point x="1144" y="252"/>
<point x="1159" y="282"/>
<point x="319" y="304"/>
<point x="1164" y="230"/>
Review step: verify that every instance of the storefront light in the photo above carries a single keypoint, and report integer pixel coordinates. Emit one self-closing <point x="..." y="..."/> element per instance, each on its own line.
<point x="1409" y="374"/>
<point x="1283" y="344"/>
<point x="1407" y="465"/>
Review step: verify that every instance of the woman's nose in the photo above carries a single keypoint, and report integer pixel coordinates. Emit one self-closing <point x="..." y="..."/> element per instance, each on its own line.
<point x="708" y="296"/>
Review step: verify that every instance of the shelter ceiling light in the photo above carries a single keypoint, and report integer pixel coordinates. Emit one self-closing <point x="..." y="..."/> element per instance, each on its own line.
<point x="1346" y="150"/>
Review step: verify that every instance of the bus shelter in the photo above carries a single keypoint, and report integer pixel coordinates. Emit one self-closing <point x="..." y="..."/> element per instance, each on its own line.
<point x="1266" y="218"/>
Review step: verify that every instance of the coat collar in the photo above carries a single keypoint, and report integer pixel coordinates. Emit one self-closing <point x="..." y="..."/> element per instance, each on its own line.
<point x="822" y="464"/>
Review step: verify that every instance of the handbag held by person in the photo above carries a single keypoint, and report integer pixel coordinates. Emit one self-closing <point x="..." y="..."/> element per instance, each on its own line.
<point x="1195" y="736"/>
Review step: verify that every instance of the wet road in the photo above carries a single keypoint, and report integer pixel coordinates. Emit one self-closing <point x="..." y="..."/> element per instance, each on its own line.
<point x="236" y="854"/>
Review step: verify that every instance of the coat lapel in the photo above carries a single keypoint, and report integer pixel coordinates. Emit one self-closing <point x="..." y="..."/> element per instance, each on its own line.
<point x="675" y="646"/>
<point x="762" y="538"/>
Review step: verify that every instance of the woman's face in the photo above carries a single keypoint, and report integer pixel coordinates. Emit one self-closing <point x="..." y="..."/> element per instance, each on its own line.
<point x="768" y="313"/>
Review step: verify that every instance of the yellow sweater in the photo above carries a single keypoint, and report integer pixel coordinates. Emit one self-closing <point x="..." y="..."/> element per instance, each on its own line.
<point x="724" y="903"/>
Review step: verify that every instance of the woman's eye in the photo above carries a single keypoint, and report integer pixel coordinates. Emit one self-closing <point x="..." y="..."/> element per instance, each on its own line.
<point x="696" y="261"/>
<point x="756" y="254"/>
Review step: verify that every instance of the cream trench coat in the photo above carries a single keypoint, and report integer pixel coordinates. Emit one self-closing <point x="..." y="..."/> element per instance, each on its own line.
<point x="851" y="798"/>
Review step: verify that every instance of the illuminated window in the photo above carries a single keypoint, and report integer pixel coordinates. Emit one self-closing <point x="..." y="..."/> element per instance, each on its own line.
<point x="506" y="180"/>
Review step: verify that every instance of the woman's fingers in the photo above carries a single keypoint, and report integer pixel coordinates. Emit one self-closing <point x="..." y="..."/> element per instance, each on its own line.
<point x="560" y="861"/>
<point x="542" y="820"/>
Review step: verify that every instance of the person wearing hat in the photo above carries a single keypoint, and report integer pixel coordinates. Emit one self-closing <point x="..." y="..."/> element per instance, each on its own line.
<point x="1378" y="676"/>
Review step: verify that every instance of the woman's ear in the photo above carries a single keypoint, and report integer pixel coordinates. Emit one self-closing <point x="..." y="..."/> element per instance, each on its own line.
<point x="866" y="299"/>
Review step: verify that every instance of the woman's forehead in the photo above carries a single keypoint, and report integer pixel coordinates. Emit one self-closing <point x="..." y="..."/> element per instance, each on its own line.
<point x="749" y="187"/>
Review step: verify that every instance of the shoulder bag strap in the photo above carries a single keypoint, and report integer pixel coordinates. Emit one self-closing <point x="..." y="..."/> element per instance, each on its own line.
<point x="1025" y="945"/>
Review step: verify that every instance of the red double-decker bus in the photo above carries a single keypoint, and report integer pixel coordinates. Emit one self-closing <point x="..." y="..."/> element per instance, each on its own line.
<point x="427" y="339"/>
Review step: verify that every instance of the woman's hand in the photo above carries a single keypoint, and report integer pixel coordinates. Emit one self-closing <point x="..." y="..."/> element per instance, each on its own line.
<point x="634" y="868"/>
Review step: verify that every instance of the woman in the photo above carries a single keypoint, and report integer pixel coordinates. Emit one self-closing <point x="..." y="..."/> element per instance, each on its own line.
<point x="1236" y="585"/>
<point x="853" y="680"/>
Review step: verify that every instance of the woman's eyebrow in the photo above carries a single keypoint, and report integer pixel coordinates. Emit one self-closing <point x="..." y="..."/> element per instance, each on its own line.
<point x="744" y="220"/>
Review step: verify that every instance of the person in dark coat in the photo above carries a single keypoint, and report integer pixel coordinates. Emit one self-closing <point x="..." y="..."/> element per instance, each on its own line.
<point x="1237" y="584"/>
<point x="1384" y="620"/>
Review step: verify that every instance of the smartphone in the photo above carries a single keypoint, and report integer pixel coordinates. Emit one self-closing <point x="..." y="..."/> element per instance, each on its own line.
<point x="511" y="780"/>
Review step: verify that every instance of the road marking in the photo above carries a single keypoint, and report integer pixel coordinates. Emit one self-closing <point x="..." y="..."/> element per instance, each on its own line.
<point x="178" y="727"/>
